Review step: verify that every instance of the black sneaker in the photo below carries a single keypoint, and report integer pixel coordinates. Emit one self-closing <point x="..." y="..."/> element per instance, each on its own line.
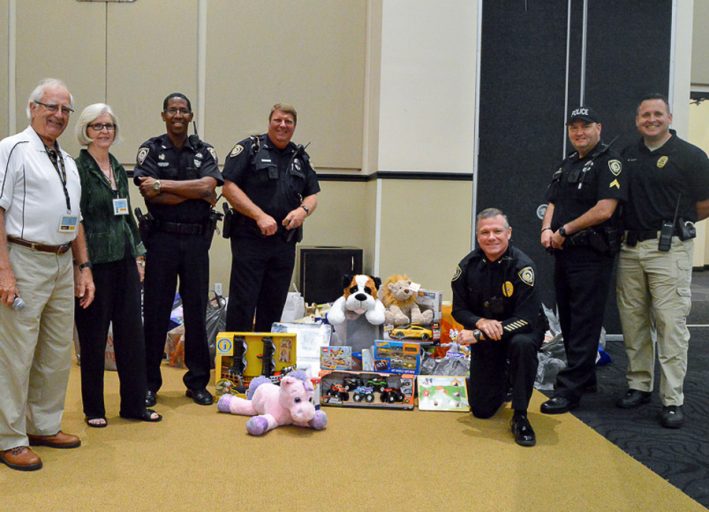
<point x="633" y="398"/>
<point x="672" y="416"/>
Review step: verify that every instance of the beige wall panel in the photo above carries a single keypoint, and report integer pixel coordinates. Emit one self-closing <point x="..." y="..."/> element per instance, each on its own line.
<point x="427" y="118"/>
<point x="700" y="43"/>
<point x="425" y="230"/>
<point x="370" y="220"/>
<point x="309" y="53"/>
<point x="699" y="135"/>
<point x="4" y="70"/>
<point x="65" y="40"/>
<point x="152" y="51"/>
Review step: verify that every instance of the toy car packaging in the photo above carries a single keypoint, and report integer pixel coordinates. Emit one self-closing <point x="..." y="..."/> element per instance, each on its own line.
<point x="241" y="356"/>
<point x="442" y="393"/>
<point x="366" y="389"/>
<point x="397" y="357"/>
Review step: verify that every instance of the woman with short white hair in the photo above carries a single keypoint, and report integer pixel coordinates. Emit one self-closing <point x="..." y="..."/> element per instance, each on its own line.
<point x="117" y="256"/>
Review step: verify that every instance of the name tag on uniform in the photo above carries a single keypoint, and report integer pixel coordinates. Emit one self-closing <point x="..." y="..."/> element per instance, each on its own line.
<point x="120" y="206"/>
<point x="68" y="223"/>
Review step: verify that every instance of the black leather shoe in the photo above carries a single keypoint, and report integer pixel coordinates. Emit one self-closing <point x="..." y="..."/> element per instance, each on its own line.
<point x="558" y="405"/>
<point x="672" y="416"/>
<point x="522" y="430"/>
<point x="633" y="398"/>
<point x="200" y="396"/>
<point x="151" y="398"/>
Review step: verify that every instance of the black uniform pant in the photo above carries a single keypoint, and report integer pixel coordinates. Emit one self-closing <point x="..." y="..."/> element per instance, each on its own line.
<point x="581" y="280"/>
<point x="261" y="270"/>
<point x="117" y="300"/>
<point x="171" y="256"/>
<point x="490" y="376"/>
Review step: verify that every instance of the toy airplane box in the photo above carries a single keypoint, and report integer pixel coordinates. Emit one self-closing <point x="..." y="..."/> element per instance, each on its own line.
<point x="336" y="358"/>
<point x="241" y="356"/>
<point x="397" y="357"/>
<point x="366" y="389"/>
<point x="442" y="393"/>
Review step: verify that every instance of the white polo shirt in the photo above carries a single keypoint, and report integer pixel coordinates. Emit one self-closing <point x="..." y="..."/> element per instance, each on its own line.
<point x="31" y="191"/>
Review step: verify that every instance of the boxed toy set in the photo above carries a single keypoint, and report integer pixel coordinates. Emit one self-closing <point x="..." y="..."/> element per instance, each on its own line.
<point x="442" y="393"/>
<point x="397" y="357"/>
<point x="366" y="389"/>
<point x="241" y="356"/>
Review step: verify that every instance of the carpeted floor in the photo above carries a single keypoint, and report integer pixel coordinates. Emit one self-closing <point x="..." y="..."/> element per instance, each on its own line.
<point x="367" y="460"/>
<point x="680" y="456"/>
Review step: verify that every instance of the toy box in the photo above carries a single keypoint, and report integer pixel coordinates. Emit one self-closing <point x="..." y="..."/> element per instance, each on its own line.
<point x="366" y="389"/>
<point x="241" y="356"/>
<point x="336" y="358"/>
<point x="311" y="337"/>
<point x="442" y="393"/>
<point x="397" y="357"/>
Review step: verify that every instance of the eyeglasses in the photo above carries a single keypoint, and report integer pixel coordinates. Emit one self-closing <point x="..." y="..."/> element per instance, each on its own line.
<point x="55" y="108"/>
<point x="175" y="111"/>
<point x="101" y="126"/>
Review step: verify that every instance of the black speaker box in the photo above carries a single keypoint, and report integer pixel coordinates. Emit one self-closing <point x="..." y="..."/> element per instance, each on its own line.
<point x="322" y="268"/>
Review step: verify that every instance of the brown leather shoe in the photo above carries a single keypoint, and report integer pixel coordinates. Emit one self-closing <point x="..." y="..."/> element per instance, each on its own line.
<point x="21" y="458"/>
<point x="58" y="440"/>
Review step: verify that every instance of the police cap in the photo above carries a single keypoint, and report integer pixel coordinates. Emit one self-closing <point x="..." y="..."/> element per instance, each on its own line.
<point x="586" y="114"/>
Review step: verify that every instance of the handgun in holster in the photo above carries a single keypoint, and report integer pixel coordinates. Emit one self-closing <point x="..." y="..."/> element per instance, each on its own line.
<point x="146" y="224"/>
<point x="228" y="223"/>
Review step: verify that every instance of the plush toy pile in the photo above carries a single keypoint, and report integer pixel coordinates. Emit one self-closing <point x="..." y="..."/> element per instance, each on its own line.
<point x="271" y="406"/>
<point x="359" y="297"/>
<point x="399" y="299"/>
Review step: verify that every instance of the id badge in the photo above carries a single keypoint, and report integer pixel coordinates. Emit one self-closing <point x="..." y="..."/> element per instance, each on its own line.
<point x="120" y="206"/>
<point x="68" y="223"/>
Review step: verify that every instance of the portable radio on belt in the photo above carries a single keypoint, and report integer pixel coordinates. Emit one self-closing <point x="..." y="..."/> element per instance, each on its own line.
<point x="668" y="227"/>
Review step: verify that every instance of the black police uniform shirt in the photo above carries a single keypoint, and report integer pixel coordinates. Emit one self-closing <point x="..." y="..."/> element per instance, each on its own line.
<point x="158" y="158"/>
<point x="502" y="290"/>
<point x="275" y="180"/>
<point x="580" y="183"/>
<point x="658" y="178"/>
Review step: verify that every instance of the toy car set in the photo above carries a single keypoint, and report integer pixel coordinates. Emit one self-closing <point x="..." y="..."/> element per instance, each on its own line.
<point x="366" y="389"/>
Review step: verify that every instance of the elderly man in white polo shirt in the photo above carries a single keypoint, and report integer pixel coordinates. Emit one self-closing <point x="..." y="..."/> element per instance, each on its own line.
<point x="39" y="222"/>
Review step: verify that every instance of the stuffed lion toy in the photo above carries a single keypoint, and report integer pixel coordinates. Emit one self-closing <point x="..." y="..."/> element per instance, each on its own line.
<point x="400" y="302"/>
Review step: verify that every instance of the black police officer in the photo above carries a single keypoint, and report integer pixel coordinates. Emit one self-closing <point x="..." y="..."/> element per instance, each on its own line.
<point x="272" y="186"/>
<point x="177" y="176"/>
<point x="495" y="300"/>
<point x="582" y="230"/>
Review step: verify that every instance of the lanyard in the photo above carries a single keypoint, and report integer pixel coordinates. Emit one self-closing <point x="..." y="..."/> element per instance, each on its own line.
<point x="58" y="163"/>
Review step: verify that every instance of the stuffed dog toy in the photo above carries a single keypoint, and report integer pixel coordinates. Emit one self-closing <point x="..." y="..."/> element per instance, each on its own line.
<point x="271" y="406"/>
<point x="359" y="297"/>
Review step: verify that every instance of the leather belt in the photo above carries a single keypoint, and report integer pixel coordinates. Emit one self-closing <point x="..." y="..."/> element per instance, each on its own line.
<point x="56" y="249"/>
<point x="180" y="228"/>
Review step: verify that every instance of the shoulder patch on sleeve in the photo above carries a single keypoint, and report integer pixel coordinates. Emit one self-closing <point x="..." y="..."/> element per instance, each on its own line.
<point x="213" y="153"/>
<point x="527" y="275"/>
<point x="458" y="273"/>
<point x="142" y="154"/>
<point x="236" y="150"/>
<point x="615" y="166"/>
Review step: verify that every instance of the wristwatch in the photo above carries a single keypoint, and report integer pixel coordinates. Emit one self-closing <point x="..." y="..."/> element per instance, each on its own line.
<point x="562" y="231"/>
<point x="307" y="210"/>
<point x="157" y="185"/>
<point x="86" y="264"/>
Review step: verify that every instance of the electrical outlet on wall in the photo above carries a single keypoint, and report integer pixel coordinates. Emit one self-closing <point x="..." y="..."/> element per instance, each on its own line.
<point x="218" y="288"/>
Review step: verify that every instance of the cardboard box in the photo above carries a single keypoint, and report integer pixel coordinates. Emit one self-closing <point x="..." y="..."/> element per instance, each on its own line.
<point x="336" y="358"/>
<point x="442" y="393"/>
<point x="367" y="389"/>
<point x="397" y="357"/>
<point x="241" y="356"/>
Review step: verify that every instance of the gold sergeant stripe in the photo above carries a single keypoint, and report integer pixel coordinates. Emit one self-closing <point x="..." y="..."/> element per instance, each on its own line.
<point x="517" y="324"/>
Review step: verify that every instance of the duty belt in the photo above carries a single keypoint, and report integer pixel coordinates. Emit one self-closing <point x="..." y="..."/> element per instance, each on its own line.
<point x="56" y="249"/>
<point x="179" y="228"/>
<point x="633" y="237"/>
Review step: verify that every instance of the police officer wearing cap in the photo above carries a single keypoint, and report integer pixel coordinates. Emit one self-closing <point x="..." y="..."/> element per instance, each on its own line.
<point x="669" y="191"/>
<point x="273" y="188"/>
<point x="581" y="228"/>
<point x="496" y="301"/>
<point x="177" y="176"/>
